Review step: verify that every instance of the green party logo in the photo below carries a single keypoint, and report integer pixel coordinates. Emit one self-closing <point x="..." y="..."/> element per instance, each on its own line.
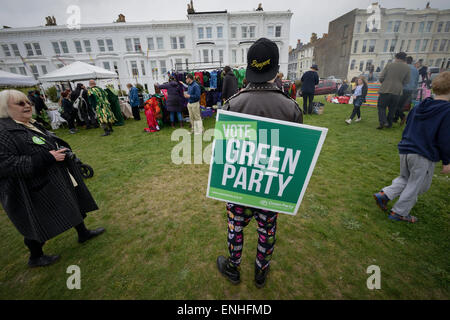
<point x="38" y="140"/>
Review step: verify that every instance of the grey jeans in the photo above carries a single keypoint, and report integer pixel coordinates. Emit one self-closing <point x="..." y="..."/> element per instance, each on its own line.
<point x="416" y="173"/>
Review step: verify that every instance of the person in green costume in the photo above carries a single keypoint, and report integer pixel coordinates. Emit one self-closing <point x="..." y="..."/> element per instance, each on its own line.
<point x="115" y="105"/>
<point x="99" y="100"/>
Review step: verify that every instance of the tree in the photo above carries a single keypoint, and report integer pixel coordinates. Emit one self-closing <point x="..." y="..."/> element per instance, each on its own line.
<point x="52" y="94"/>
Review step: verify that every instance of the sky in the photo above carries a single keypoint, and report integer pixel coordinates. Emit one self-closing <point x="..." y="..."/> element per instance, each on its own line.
<point x="309" y="15"/>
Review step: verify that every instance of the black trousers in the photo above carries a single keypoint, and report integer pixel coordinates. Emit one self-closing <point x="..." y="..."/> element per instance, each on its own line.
<point x="356" y="112"/>
<point x="88" y="116"/>
<point x="70" y="117"/>
<point x="404" y="99"/>
<point x="136" y="114"/>
<point x="35" y="246"/>
<point x="357" y="107"/>
<point x="307" y="102"/>
<point x="387" y="100"/>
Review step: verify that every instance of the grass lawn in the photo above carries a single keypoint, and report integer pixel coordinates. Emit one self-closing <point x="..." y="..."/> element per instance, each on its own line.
<point x="163" y="235"/>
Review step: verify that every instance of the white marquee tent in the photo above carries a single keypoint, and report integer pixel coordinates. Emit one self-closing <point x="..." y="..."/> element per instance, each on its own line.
<point x="8" y="79"/>
<point x="78" y="71"/>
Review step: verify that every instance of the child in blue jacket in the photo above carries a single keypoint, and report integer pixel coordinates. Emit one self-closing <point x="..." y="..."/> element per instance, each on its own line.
<point x="425" y="141"/>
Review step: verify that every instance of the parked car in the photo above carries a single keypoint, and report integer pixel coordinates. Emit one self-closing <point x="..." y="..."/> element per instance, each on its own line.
<point x="333" y="78"/>
<point x="325" y="86"/>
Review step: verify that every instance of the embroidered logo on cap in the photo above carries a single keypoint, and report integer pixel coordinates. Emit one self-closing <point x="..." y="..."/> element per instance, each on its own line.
<point x="38" y="140"/>
<point x="260" y="65"/>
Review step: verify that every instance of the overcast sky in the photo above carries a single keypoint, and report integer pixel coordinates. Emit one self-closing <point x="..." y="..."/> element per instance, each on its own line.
<point x="309" y="15"/>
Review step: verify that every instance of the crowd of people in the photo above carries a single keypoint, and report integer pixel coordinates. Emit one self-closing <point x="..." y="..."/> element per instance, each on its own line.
<point x="44" y="193"/>
<point x="91" y="107"/>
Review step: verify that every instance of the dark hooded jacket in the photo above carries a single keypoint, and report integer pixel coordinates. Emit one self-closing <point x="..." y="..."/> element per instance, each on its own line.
<point x="230" y="85"/>
<point x="427" y="131"/>
<point x="37" y="192"/>
<point x="175" y="97"/>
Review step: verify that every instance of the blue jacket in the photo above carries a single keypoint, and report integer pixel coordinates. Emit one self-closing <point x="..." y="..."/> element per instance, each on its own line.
<point x="194" y="92"/>
<point x="133" y="97"/>
<point x="427" y="131"/>
<point x="309" y="81"/>
<point x="413" y="79"/>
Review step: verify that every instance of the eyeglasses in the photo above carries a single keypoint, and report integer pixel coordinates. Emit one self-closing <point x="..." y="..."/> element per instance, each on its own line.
<point x="23" y="103"/>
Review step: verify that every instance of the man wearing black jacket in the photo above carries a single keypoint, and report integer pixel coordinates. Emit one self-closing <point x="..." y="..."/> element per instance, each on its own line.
<point x="309" y="81"/>
<point x="261" y="98"/>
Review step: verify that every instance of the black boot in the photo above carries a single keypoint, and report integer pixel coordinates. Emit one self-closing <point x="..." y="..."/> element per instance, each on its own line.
<point x="228" y="270"/>
<point x="110" y="127"/>
<point x="106" y="129"/>
<point x="89" y="234"/>
<point x="261" y="276"/>
<point x="42" y="261"/>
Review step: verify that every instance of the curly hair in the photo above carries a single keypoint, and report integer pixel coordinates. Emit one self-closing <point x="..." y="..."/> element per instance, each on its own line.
<point x="441" y="84"/>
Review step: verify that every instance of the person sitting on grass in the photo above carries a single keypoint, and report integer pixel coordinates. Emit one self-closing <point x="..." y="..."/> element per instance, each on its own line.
<point x="359" y="97"/>
<point x="425" y="141"/>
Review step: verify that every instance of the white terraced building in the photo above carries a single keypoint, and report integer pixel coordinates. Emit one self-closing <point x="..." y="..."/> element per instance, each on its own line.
<point x="143" y="52"/>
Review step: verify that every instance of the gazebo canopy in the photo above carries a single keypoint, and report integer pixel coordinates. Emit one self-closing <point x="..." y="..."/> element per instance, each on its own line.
<point x="78" y="71"/>
<point x="8" y="79"/>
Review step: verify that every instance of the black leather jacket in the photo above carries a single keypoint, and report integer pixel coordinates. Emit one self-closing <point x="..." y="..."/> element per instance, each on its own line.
<point x="265" y="100"/>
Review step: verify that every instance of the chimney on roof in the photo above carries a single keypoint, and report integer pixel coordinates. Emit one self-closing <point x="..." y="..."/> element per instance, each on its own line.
<point x="51" y="21"/>
<point x="428" y="5"/>
<point x="121" y="18"/>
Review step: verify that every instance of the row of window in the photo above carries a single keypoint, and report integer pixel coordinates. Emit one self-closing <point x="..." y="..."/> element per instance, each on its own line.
<point x="134" y="71"/>
<point x="134" y="44"/>
<point x="247" y="32"/>
<point x="408" y="27"/>
<point x="420" y="45"/>
<point x="365" y="65"/>
<point x="157" y="67"/>
<point x="207" y="55"/>
<point x="243" y="55"/>
<point x="206" y="32"/>
<point x="367" y="46"/>
<point x="104" y="45"/>
<point x="34" y="70"/>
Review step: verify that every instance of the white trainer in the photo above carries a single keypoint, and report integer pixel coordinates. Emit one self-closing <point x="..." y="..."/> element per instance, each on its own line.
<point x="358" y="120"/>
<point x="348" y="121"/>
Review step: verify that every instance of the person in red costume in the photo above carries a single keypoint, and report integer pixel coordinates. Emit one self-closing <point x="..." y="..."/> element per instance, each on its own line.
<point x="152" y="112"/>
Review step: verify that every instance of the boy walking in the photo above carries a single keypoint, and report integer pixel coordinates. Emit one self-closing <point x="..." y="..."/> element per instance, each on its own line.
<point x="425" y="141"/>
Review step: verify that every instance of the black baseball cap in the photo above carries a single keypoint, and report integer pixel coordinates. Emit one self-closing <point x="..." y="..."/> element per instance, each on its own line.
<point x="262" y="61"/>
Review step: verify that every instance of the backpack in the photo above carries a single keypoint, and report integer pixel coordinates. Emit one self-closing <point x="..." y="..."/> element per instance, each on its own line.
<point x="317" y="107"/>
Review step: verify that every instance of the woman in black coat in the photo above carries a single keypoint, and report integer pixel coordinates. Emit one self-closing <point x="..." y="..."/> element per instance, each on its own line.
<point x="41" y="189"/>
<point x="174" y="103"/>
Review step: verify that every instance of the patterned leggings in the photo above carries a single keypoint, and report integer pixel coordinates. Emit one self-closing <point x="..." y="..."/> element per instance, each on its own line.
<point x="238" y="218"/>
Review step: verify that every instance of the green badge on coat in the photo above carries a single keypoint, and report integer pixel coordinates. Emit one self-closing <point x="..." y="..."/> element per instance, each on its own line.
<point x="38" y="140"/>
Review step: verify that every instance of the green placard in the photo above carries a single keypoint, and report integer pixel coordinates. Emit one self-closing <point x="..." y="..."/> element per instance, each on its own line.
<point x="262" y="162"/>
